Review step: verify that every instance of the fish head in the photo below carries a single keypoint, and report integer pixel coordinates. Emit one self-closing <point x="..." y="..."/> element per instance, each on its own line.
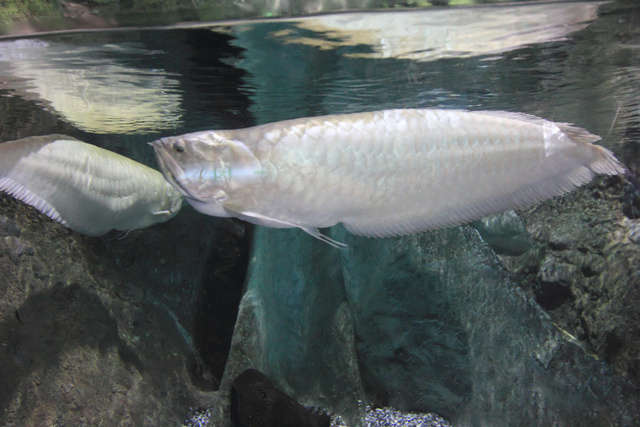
<point x="207" y="167"/>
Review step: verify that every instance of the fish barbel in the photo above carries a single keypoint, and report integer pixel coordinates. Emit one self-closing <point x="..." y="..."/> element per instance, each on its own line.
<point x="89" y="189"/>
<point x="382" y="173"/>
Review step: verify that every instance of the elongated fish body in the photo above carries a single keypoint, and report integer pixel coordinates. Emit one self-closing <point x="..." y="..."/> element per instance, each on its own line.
<point x="86" y="188"/>
<point x="382" y="173"/>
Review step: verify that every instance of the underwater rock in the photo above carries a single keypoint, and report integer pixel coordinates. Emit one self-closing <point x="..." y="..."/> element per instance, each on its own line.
<point x="436" y="323"/>
<point x="494" y="336"/>
<point x="8" y="227"/>
<point x="586" y="269"/>
<point x="295" y="326"/>
<point x="255" y="402"/>
<point x="14" y="248"/>
<point x="505" y="233"/>
<point x="96" y="330"/>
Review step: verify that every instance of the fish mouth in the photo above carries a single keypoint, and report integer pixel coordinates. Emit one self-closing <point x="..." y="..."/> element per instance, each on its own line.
<point x="170" y="168"/>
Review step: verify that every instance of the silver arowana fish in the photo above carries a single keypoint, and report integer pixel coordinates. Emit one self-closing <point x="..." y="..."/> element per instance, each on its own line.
<point x="89" y="189"/>
<point x="383" y="173"/>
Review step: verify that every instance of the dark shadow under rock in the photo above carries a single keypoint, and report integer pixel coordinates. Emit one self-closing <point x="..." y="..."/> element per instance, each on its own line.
<point x="217" y="303"/>
<point x="48" y="324"/>
<point x="256" y="402"/>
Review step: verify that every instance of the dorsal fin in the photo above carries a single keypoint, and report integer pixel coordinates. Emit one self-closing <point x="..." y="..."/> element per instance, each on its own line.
<point x="576" y="133"/>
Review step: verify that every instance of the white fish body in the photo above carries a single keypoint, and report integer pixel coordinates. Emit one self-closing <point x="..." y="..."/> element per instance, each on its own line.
<point x="382" y="173"/>
<point x="89" y="189"/>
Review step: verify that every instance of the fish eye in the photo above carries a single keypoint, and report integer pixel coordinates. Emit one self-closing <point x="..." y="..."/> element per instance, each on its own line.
<point x="178" y="147"/>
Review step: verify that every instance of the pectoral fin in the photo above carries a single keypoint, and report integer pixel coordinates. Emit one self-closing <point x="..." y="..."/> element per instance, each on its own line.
<point x="316" y="233"/>
<point x="265" y="221"/>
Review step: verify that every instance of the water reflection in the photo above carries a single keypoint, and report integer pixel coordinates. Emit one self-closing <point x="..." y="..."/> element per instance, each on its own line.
<point x="92" y="86"/>
<point x="445" y="33"/>
<point x="557" y="60"/>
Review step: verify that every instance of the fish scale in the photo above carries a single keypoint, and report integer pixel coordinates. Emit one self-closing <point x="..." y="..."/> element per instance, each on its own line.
<point x="389" y="172"/>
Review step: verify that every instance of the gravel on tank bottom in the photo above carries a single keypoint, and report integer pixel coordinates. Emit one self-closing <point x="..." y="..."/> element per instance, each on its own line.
<point x="379" y="417"/>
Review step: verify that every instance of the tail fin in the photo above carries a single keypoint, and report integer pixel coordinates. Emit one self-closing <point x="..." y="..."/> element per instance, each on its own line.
<point x="607" y="163"/>
<point x="604" y="161"/>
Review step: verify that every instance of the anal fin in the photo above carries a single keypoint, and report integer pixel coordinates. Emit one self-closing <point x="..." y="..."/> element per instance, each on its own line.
<point x="263" y="220"/>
